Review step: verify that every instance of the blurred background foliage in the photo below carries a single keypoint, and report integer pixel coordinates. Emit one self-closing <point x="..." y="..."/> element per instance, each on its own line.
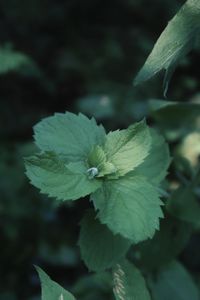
<point x="82" y="56"/>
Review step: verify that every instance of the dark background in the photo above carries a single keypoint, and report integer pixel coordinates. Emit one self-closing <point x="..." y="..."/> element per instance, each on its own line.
<point x="84" y="55"/>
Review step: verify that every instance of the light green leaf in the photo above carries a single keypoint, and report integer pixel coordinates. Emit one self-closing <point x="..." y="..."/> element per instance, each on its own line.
<point x="11" y="60"/>
<point x="126" y="149"/>
<point x="52" y="290"/>
<point x="173" y="282"/>
<point x="176" y="41"/>
<point x="129" y="206"/>
<point x="157" y="162"/>
<point x="69" y="135"/>
<point x="129" y="283"/>
<point x="64" y="181"/>
<point x="100" y="248"/>
<point x="98" y="159"/>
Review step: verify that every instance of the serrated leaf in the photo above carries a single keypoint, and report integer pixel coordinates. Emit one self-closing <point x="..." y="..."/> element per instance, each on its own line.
<point x="52" y="290"/>
<point x="100" y="248"/>
<point x="64" y="181"/>
<point x="69" y="135"/>
<point x="129" y="283"/>
<point x="176" y="41"/>
<point x="129" y="206"/>
<point x="173" y="282"/>
<point x="98" y="159"/>
<point x="157" y="162"/>
<point x="126" y="149"/>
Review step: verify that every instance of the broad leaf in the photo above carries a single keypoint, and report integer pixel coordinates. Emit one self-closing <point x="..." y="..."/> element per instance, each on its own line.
<point x="129" y="206"/>
<point x="100" y="248"/>
<point x="69" y="135"/>
<point x="157" y="162"/>
<point x="129" y="283"/>
<point x="176" y="41"/>
<point x="184" y="205"/>
<point x="175" y="283"/>
<point x="126" y="149"/>
<point x="64" y="181"/>
<point x="166" y="244"/>
<point x="52" y="290"/>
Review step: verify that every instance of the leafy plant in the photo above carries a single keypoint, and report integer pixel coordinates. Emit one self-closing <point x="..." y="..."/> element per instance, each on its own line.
<point x="123" y="172"/>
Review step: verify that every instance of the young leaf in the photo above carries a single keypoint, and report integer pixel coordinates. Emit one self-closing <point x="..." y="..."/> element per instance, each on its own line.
<point x="173" y="282"/>
<point x="129" y="283"/>
<point x="176" y="41"/>
<point x="126" y="149"/>
<point x="69" y="135"/>
<point x="129" y="206"/>
<point x="157" y="162"/>
<point x="100" y="248"/>
<point x="57" y="179"/>
<point x="52" y="290"/>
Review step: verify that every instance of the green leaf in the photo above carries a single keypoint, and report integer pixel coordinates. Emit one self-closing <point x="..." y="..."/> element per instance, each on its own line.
<point x="11" y="60"/>
<point x="173" y="282"/>
<point x="52" y="290"/>
<point x="174" y="118"/>
<point x="129" y="206"/>
<point x="176" y="41"/>
<point x="157" y="162"/>
<point x="100" y="248"/>
<point x="126" y="149"/>
<point x="98" y="159"/>
<point x="129" y="283"/>
<point x="64" y="181"/>
<point x="184" y="205"/>
<point x="69" y="135"/>
<point x="166" y="244"/>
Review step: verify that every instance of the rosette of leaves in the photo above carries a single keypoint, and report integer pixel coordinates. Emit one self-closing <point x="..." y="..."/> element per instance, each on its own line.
<point x="121" y="170"/>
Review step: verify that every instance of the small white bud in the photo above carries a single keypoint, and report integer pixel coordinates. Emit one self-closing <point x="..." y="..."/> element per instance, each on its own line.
<point x="92" y="172"/>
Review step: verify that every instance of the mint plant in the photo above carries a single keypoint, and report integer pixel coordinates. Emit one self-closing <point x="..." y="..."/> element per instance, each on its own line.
<point x="123" y="172"/>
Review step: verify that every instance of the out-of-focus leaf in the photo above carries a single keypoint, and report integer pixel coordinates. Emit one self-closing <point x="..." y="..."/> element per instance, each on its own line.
<point x="175" y="42"/>
<point x="167" y="243"/>
<point x="173" y="282"/>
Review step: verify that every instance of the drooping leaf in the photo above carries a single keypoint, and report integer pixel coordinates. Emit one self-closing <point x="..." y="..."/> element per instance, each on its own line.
<point x="52" y="290"/>
<point x="69" y="135"/>
<point x="126" y="149"/>
<point x="129" y="206"/>
<point x="175" y="42"/>
<point x="129" y="283"/>
<point x="100" y="248"/>
<point x="157" y="162"/>
<point x="64" y="181"/>
<point x="173" y="282"/>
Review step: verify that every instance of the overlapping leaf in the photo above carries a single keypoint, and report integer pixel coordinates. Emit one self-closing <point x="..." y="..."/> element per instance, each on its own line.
<point x="57" y="179"/>
<point x="100" y="248"/>
<point x="129" y="206"/>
